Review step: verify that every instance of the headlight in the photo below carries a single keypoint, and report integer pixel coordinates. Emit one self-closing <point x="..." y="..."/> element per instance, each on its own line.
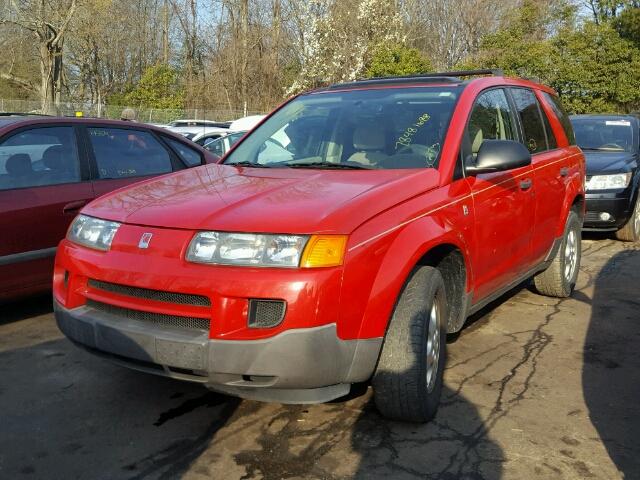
<point x="609" y="182"/>
<point x="261" y="250"/>
<point x="247" y="249"/>
<point x="92" y="232"/>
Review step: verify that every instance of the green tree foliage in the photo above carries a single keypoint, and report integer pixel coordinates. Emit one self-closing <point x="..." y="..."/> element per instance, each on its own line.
<point x="397" y="60"/>
<point x="596" y="70"/>
<point x="591" y="66"/>
<point x="628" y="25"/>
<point x="159" y="87"/>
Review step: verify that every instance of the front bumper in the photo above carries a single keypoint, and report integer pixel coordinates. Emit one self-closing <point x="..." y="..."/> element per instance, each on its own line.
<point x="306" y="365"/>
<point x="618" y="207"/>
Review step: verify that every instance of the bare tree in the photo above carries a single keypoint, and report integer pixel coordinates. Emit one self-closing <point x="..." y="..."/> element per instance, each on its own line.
<point x="48" y="23"/>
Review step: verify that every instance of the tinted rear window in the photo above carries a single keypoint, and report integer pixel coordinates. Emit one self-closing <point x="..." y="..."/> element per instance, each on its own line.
<point x="527" y="104"/>
<point x="560" y="112"/>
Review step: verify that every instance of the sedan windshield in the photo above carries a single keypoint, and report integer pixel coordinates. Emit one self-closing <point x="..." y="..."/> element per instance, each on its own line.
<point x="607" y="134"/>
<point x="388" y="128"/>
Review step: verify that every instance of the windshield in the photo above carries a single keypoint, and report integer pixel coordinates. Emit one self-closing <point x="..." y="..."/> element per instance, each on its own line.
<point x="386" y="128"/>
<point x="609" y="134"/>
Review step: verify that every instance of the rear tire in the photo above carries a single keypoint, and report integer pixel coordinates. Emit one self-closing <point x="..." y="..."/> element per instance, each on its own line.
<point x="559" y="279"/>
<point x="631" y="231"/>
<point x="408" y="380"/>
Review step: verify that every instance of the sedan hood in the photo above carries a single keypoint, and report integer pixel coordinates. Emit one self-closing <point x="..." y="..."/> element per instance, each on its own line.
<point x="282" y="200"/>
<point x="601" y="162"/>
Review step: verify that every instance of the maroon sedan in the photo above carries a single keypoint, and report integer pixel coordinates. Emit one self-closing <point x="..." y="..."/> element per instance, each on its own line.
<point x="51" y="167"/>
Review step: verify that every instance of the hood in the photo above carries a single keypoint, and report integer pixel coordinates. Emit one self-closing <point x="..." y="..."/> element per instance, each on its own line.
<point x="599" y="162"/>
<point x="282" y="200"/>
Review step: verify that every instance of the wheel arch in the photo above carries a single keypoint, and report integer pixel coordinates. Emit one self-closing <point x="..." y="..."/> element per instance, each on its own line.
<point x="451" y="263"/>
<point x="428" y="242"/>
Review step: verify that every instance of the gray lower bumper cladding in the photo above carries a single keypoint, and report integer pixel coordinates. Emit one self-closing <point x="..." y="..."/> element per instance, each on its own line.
<point x="310" y="365"/>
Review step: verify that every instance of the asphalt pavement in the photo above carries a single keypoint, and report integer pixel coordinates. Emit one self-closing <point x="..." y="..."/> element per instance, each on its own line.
<point x="535" y="388"/>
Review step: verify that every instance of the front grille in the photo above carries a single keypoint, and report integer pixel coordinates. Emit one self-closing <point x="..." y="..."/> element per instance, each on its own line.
<point x="146" y="293"/>
<point x="266" y="313"/>
<point x="160" y="319"/>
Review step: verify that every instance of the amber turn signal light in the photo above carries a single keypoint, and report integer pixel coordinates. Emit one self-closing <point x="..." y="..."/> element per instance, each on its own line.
<point x="324" y="251"/>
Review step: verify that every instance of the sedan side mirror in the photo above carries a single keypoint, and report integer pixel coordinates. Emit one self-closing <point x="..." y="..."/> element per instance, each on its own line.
<point x="498" y="156"/>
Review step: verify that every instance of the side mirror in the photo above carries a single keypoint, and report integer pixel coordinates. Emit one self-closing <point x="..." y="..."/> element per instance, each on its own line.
<point x="498" y="156"/>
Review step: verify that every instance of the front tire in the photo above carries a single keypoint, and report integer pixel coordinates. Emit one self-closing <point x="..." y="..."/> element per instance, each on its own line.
<point x="631" y="231"/>
<point x="559" y="279"/>
<point x="408" y="380"/>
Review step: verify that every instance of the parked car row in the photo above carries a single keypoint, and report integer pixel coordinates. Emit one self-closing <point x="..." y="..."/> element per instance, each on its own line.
<point x="203" y="132"/>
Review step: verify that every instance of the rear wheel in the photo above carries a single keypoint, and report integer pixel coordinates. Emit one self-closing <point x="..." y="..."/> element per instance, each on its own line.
<point x="559" y="279"/>
<point x="408" y="380"/>
<point x="631" y="231"/>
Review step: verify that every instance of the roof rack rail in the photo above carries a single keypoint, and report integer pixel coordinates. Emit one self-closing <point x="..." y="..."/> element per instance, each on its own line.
<point x="496" y="72"/>
<point x="442" y="77"/>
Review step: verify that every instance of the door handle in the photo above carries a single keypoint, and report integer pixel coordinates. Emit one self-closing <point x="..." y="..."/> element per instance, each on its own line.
<point x="564" y="171"/>
<point x="525" y="184"/>
<point x="72" y="207"/>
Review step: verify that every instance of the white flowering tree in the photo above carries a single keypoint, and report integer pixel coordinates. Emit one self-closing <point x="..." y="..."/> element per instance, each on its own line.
<point x="340" y="39"/>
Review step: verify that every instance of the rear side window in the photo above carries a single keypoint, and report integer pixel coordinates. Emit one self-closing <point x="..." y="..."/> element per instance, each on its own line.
<point x="122" y="153"/>
<point x="551" y="137"/>
<point x="188" y="155"/>
<point x="491" y="119"/>
<point x="39" y="157"/>
<point x="560" y="112"/>
<point x="533" y="129"/>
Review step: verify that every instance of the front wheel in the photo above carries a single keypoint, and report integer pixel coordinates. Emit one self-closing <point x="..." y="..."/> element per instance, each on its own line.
<point x="559" y="279"/>
<point x="408" y="379"/>
<point x="631" y="231"/>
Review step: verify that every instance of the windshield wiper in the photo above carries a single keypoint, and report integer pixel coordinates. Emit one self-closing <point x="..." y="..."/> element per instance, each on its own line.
<point x="248" y="164"/>
<point x="328" y="165"/>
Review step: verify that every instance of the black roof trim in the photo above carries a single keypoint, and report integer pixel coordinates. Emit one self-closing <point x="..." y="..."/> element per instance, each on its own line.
<point x="440" y="77"/>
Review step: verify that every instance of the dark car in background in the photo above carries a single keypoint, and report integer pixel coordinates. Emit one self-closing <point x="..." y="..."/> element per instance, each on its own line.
<point x="51" y="167"/>
<point x="611" y="147"/>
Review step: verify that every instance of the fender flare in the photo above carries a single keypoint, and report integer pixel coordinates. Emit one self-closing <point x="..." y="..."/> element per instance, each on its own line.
<point x="406" y="250"/>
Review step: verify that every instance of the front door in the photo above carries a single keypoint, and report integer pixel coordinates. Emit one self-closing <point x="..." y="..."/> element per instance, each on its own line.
<point x="503" y="202"/>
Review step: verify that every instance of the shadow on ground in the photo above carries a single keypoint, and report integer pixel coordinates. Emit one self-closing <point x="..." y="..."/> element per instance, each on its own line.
<point x="25" y="308"/>
<point x="67" y="414"/>
<point x="611" y="369"/>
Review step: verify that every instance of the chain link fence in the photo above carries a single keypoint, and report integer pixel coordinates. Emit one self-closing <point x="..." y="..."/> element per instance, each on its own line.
<point x="148" y="115"/>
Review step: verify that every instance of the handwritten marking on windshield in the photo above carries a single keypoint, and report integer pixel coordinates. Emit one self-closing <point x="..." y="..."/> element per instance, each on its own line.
<point x="407" y="135"/>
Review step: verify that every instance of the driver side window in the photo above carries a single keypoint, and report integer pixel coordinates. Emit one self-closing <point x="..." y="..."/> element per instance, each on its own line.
<point x="490" y="119"/>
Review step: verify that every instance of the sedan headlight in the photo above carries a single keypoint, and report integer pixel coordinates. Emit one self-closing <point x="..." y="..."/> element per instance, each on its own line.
<point x="247" y="249"/>
<point x="609" y="182"/>
<point x="92" y="232"/>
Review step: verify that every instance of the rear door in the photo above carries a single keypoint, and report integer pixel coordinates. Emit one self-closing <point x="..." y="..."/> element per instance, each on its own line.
<point x="120" y="156"/>
<point x="43" y="185"/>
<point x="549" y="165"/>
<point x="503" y="201"/>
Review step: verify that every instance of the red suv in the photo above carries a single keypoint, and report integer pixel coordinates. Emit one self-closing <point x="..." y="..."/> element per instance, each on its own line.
<point x="338" y="242"/>
<point x="51" y="167"/>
